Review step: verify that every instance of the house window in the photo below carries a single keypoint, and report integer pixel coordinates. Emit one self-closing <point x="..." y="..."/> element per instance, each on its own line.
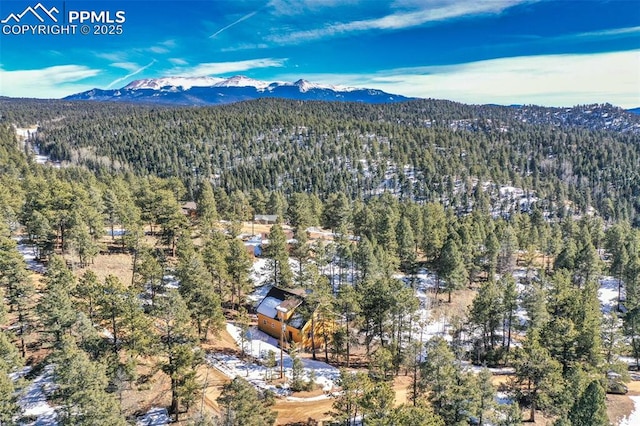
<point x="264" y="321"/>
<point x="273" y="325"/>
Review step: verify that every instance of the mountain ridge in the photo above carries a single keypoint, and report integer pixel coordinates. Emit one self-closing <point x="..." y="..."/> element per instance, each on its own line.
<point x="216" y="91"/>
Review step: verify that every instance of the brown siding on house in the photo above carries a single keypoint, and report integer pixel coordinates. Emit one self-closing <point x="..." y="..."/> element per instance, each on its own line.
<point x="269" y="325"/>
<point x="273" y="328"/>
<point x="278" y="300"/>
<point x="320" y="327"/>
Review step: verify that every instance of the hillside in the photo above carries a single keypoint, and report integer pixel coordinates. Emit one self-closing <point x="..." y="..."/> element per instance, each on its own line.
<point x="427" y="239"/>
<point x="579" y="158"/>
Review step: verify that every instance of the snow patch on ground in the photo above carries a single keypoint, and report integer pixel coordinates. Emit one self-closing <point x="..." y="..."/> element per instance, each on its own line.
<point x="257" y="274"/>
<point x="608" y="294"/>
<point x="171" y="282"/>
<point x="258" y="344"/>
<point x="634" y="417"/>
<point x="117" y="232"/>
<point x="19" y="374"/>
<point x="154" y="417"/>
<point x="503" y="398"/>
<point x="33" y="400"/>
<point x="258" y="294"/>
<point x="28" y="252"/>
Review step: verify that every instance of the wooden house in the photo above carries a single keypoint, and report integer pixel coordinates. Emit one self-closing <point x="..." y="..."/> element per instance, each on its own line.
<point x="287" y="310"/>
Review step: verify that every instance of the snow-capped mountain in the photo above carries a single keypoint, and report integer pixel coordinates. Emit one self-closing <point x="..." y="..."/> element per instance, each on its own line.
<point x="242" y="81"/>
<point x="215" y="90"/>
<point x="185" y="83"/>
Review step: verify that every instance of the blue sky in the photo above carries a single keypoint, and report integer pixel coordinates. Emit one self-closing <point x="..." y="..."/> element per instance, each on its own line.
<point x="556" y="53"/>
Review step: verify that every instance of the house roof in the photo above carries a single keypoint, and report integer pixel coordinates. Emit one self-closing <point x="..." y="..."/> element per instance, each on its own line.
<point x="268" y="307"/>
<point x="266" y="217"/>
<point x="287" y="300"/>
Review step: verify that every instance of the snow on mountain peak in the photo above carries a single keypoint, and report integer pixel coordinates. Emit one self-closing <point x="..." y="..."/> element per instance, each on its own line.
<point x="185" y="83"/>
<point x="242" y="81"/>
<point x="305" y="85"/>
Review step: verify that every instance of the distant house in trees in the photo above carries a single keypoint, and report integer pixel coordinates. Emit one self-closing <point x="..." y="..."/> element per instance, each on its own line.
<point x="315" y="233"/>
<point x="286" y="310"/>
<point x="189" y="209"/>
<point x="266" y="219"/>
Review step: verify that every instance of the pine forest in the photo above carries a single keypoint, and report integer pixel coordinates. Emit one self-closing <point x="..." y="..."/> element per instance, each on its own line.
<point x="318" y="263"/>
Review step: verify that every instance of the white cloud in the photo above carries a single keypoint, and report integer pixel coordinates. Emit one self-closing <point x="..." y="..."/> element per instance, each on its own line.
<point x="431" y="12"/>
<point x="129" y="66"/>
<point x="51" y="82"/>
<point x="159" y="49"/>
<point x="112" y="56"/>
<point x="614" y="32"/>
<point x="217" y="68"/>
<point x="178" y="61"/>
<point x="244" y="46"/>
<point x="133" y="72"/>
<point x="551" y="80"/>
<point x="297" y="7"/>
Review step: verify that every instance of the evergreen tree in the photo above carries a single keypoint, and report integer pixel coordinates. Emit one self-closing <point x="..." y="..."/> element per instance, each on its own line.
<point x="197" y="289"/>
<point x="445" y="384"/>
<point x="299" y="212"/>
<point x="487" y="313"/>
<point x="508" y="289"/>
<point x="278" y="256"/>
<point x="9" y="361"/>
<point x="238" y="268"/>
<point x="88" y="291"/>
<point x="484" y="396"/>
<point x="336" y="211"/>
<point x="538" y="376"/>
<point x="214" y="253"/>
<point x="148" y="273"/>
<point x="83" y="243"/>
<point x="276" y="205"/>
<point x="451" y="267"/>
<point x="435" y="230"/>
<point x="15" y="279"/>
<point x="509" y="414"/>
<point x="587" y="261"/>
<point x="298" y="382"/>
<point x="590" y="408"/>
<point x="81" y="389"/>
<point x="406" y="246"/>
<point x="301" y="251"/>
<point x="55" y="309"/>
<point x="348" y="304"/>
<point x="243" y="405"/>
<point x="180" y="356"/>
<point x="111" y="308"/>
<point x="8" y="406"/>
<point x="347" y="406"/>
<point x="508" y="248"/>
<point x="377" y="403"/>
<point x="365" y="261"/>
<point x="420" y="415"/>
<point x="615" y="240"/>
<point x="206" y="209"/>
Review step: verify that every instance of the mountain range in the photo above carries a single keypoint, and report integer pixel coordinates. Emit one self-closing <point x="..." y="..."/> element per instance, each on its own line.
<point x="216" y="91"/>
